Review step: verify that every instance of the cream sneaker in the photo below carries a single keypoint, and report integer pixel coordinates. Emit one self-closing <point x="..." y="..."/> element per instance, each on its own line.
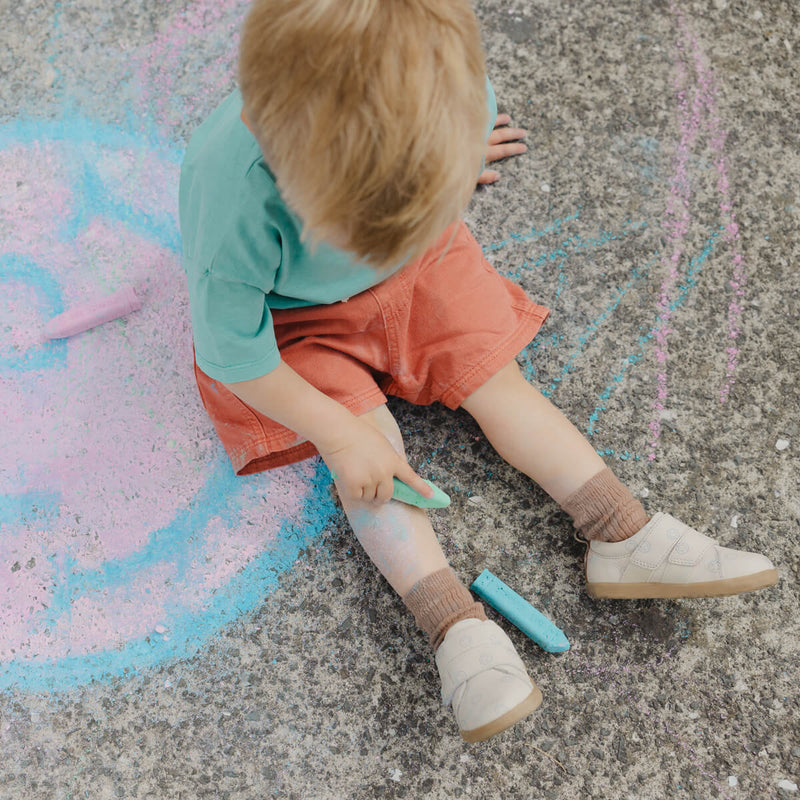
<point x="669" y="559"/>
<point x="484" y="679"/>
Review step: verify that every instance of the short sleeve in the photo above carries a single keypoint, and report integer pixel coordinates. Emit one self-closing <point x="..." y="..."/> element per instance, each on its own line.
<point x="232" y="327"/>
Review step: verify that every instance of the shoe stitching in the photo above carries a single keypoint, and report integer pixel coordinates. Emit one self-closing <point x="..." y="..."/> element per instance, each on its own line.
<point x="504" y="655"/>
<point x="644" y="548"/>
<point x="685" y="562"/>
<point x="449" y="692"/>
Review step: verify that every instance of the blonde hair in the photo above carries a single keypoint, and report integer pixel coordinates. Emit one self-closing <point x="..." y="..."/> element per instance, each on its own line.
<point x="371" y="113"/>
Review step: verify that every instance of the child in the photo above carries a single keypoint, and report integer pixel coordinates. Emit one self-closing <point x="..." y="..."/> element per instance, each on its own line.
<point x="327" y="268"/>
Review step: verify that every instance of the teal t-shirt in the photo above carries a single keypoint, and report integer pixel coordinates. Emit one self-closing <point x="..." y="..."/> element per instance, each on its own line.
<point x="242" y="251"/>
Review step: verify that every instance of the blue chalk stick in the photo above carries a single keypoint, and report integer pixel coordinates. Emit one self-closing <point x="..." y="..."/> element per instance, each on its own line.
<point x="520" y="612"/>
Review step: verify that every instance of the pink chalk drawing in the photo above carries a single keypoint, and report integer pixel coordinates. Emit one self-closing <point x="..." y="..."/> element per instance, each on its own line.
<point x="676" y="224"/>
<point x="187" y="44"/>
<point x="702" y="116"/>
<point x="718" y="136"/>
<point x="118" y="512"/>
<point x="125" y="538"/>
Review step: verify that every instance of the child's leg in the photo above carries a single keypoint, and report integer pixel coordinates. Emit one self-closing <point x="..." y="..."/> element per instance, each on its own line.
<point x="629" y="556"/>
<point x="482" y="676"/>
<point x="403" y="546"/>
<point x="529" y="432"/>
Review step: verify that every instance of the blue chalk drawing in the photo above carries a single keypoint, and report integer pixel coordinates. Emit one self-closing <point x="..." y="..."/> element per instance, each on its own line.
<point x="188" y="630"/>
<point x="222" y="496"/>
<point x="689" y="282"/>
<point x="533" y="233"/>
<point x="636" y="275"/>
<point x="15" y="268"/>
<point x="552" y="342"/>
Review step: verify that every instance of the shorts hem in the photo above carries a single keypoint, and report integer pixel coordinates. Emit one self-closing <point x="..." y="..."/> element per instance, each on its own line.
<point x="490" y="364"/>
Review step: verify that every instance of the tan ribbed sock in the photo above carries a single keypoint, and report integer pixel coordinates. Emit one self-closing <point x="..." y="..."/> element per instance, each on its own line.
<point x="440" y="600"/>
<point x="605" y="510"/>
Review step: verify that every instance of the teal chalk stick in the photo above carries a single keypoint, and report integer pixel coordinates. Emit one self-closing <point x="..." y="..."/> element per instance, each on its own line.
<point x="520" y="612"/>
<point x="405" y="494"/>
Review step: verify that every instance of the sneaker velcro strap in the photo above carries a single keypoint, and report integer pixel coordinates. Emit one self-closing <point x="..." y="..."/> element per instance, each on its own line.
<point x="671" y="540"/>
<point x="653" y="550"/>
<point x="690" y="548"/>
<point x="478" y="649"/>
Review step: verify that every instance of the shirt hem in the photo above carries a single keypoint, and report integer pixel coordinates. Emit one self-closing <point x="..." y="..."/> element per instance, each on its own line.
<point x="245" y="372"/>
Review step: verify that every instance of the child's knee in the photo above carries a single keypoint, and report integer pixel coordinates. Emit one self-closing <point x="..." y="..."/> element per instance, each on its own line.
<point x="382" y="419"/>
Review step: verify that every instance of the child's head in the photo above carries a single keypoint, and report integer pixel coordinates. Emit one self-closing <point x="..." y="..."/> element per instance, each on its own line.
<point x="371" y="113"/>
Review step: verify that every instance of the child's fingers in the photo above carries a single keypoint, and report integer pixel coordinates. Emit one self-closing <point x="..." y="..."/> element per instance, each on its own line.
<point x="498" y="151"/>
<point x="407" y="475"/>
<point x="355" y="491"/>
<point x="488" y="176"/>
<point x="384" y="492"/>
<point x="502" y="119"/>
<point x="499" y="135"/>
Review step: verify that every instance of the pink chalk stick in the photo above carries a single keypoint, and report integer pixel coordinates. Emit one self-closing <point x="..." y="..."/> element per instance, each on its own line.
<point x="81" y="318"/>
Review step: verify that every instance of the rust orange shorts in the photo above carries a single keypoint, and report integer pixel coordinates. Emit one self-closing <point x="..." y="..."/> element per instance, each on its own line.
<point x="435" y="331"/>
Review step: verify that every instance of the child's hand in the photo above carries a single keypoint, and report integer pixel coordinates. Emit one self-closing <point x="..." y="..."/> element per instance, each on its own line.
<point x="364" y="463"/>
<point x="498" y="147"/>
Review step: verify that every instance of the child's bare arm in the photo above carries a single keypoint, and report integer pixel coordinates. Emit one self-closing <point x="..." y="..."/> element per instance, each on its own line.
<point x="362" y="458"/>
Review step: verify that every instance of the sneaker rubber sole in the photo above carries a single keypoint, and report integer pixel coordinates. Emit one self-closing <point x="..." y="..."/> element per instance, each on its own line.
<point x="527" y="706"/>
<point x="722" y="588"/>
